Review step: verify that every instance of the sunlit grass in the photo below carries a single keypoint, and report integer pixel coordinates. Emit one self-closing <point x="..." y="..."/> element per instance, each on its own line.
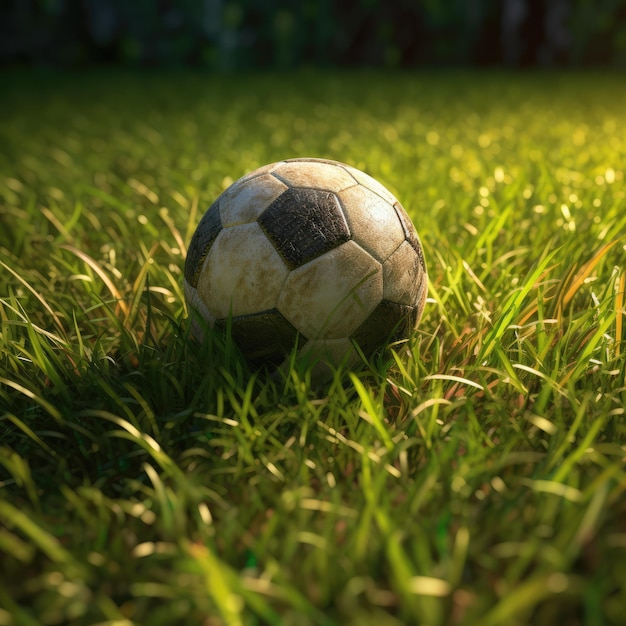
<point x="473" y="475"/>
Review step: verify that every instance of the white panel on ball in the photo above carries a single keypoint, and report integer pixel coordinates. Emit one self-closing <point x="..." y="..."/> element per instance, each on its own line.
<point x="243" y="273"/>
<point x="257" y="172"/>
<point x="372" y="184"/>
<point x="329" y="297"/>
<point x="373" y="222"/>
<point x="402" y="273"/>
<point x="245" y="201"/>
<point x="314" y="174"/>
<point x="199" y="308"/>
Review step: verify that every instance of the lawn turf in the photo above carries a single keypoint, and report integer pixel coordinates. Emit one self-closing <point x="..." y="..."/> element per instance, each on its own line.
<point x="474" y="475"/>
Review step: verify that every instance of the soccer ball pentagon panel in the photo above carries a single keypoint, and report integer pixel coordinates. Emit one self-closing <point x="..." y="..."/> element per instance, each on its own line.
<point x="309" y="253"/>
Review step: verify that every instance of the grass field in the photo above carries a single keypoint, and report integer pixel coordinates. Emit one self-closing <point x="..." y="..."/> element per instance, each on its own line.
<point x="474" y="475"/>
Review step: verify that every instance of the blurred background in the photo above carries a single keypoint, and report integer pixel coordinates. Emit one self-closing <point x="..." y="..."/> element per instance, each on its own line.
<point x="228" y="35"/>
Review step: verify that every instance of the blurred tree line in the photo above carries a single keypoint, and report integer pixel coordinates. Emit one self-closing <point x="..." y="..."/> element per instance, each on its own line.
<point x="248" y="34"/>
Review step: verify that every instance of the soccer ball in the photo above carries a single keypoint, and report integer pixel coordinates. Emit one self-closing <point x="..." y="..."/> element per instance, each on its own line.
<point x="309" y="253"/>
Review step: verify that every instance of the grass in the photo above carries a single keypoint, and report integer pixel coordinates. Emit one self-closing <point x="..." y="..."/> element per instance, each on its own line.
<point x="473" y="475"/>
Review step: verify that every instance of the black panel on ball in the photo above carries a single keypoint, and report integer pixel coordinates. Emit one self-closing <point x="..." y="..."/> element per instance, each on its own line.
<point x="409" y="233"/>
<point x="208" y="229"/>
<point x="389" y="321"/>
<point x="304" y="224"/>
<point x="265" y="337"/>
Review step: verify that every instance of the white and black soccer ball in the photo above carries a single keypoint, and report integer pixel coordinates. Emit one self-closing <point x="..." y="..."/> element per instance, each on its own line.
<point x="307" y="252"/>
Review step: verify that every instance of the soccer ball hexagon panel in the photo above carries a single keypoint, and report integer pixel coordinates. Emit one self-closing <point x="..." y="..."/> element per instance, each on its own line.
<point x="243" y="273"/>
<point x="330" y="297"/>
<point x="306" y="252"/>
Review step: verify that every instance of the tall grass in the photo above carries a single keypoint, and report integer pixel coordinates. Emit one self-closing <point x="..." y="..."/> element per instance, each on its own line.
<point x="471" y="475"/>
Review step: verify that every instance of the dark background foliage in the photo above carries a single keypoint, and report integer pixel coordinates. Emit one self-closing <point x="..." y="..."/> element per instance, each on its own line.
<point x="249" y="34"/>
